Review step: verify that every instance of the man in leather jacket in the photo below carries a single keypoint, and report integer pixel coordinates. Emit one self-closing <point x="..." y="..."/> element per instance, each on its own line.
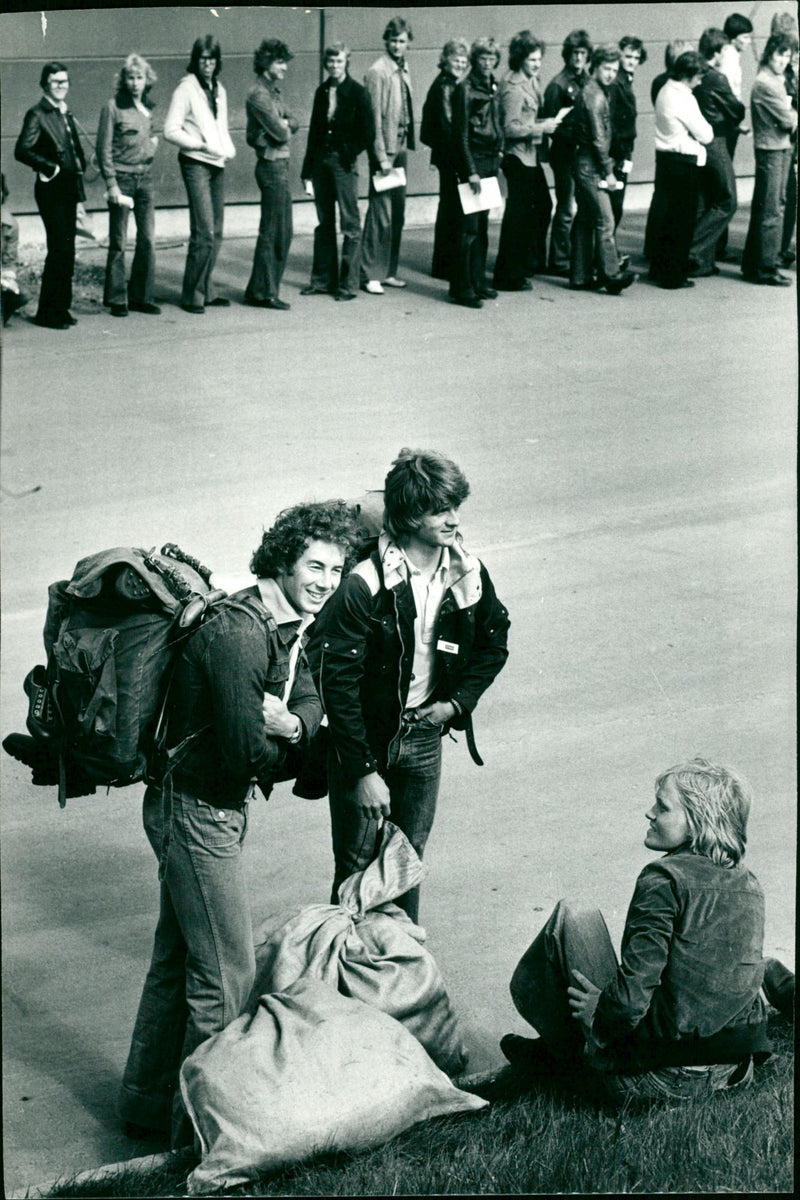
<point x="724" y="113"/>
<point x="401" y="655"/>
<point x="593" y="245"/>
<point x="340" y="129"/>
<point x="622" y="100"/>
<point x="49" y="143"/>
<point x="561" y="93"/>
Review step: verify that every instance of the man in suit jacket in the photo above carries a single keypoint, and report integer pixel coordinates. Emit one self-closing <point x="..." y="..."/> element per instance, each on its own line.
<point x="340" y="129"/>
<point x="49" y="143"/>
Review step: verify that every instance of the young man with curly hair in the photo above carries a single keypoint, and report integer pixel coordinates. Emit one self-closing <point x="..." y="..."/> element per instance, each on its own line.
<point x="242" y="703"/>
<point x="410" y="642"/>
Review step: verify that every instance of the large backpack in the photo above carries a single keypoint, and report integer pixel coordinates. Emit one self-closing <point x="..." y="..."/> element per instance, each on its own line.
<point x="111" y="635"/>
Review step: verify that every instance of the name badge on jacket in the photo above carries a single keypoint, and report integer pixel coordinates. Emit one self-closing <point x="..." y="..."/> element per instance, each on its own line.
<point x="447" y="647"/>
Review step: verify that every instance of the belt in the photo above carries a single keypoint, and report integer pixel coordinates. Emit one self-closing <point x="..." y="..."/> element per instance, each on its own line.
<point x="136" y="169"/>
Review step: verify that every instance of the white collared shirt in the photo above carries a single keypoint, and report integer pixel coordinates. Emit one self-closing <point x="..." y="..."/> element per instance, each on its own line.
<point x="680" y="126"/>
<point x="428" y="597"/>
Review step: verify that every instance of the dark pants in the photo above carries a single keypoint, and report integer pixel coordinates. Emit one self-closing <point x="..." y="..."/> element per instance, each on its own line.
<point x="469" y="273"/>
<point x="560" y="246"/>
<point x="592" y="235"/>
<point x="57" y="203"/>
<point x="790" y="209"/>
<point x="677" y="185"/>
<point x="716" y="204"/>
<point x="731" y="141"/>
<point x="383" y="229"/>
<point x="448" y="224"/>
<point x="761" y="250"/>
<point x="522" y="250"/>
<point x="413" y="781"/>
<point x="205" y="189"/>
<point x="274" y="230"/>
<point x="335" y="184"/>
<point x="617" y="197"/>
<point x="143" y="268"/>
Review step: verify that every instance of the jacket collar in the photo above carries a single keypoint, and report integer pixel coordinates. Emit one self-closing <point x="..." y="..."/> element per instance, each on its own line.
<point x="286" y="618"/>
<point x="463" y="571"/>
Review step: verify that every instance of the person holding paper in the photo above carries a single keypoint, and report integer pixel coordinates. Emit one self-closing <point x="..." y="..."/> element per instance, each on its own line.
<point x="561" y="93"/>
<point x="478" y="141"/>
<point x="523" y="235"/>
<point x="125" y="149"/>
<point x="623" y="118"/>
<point x="389" y="86"/>
<point x="593" y="246"/>
<point x="436" y="131"/>
<point x="270" y="126"/>
<point x="340" y="129"/>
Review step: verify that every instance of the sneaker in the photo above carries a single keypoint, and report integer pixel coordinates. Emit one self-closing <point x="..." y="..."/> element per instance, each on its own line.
<point x="373" y="287"/>
<point x="393" y="281"/>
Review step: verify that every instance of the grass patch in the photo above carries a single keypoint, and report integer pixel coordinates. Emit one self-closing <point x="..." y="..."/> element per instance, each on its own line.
<point x="547" y="1141"/>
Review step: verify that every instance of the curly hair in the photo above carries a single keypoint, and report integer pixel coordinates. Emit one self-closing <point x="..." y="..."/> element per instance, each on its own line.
<point x="271" y="50"/>
<point x="135" y="62"/>
<point x="717" y="804"/>
<point x="281" y="546"/>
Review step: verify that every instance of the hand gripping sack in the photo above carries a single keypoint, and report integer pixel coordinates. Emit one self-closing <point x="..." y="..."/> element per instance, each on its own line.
<point x="368" y="948"/>
<point x="307" y="1072"/>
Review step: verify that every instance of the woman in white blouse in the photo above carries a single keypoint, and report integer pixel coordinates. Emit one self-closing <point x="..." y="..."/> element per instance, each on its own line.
<point x="197" y="122"/>
<point x="681" y="136"/>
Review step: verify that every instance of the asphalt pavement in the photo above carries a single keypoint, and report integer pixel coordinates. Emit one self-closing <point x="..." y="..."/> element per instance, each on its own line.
<point x="632" y="465"/>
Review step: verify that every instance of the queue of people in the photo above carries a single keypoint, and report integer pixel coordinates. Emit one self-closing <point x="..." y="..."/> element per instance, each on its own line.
<point x="476" y="124"/>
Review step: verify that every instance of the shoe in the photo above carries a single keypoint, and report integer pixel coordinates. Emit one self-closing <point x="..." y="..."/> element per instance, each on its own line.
<point x="193" y="308"/>
<point x="144" y="306"/>
<point x="373" y="287"/>
<point x="624" y="262"/>
<point x="778" y="984"/>
<point x="590" y="286"/>
<point x="119" y="310"/>
<point x="70" y="320"/>
<point x="703" y="272"/>
<point x="218" y="302"/>
<point x="672" y="287"/>
<point x="787" y="258"/>
<point x="47" y="324"/>
<point x="344" y="296"/>
<point x="486" y="293"/>
<point x="315" y="291"/>
<point x="618" y="284"/>
<point x="776" y="280"/>
<point x="393" y="281"/>
<point x="42" y="760"/>
<point x="274" y="302"/>
<point x="523" y="285"/>
<point x="527" y="1054"/>
<point x="557" y="272"/>
<point x="467" y="301"/>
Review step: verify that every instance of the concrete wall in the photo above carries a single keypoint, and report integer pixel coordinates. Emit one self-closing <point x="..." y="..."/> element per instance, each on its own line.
<point x="92" y="42"/>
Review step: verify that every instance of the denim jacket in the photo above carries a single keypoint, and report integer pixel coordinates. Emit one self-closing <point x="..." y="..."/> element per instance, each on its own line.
<point x="362" y="652"/>
<point x="687" y="989"/>
<point x="228" y="666"/>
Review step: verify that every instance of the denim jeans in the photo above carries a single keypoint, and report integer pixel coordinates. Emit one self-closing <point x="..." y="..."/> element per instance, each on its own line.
<point x="575" y="939"/>
<point x="764" y="234"/>
<point x="203" y="962"/>
<point x="274" y="230"/>
<point x="523" y="233"/>
<point x="143" y="268"/>
<point x="716" y="204"/>
<point x="335" y="184"/>
<point x="593" y="242"/>
<point x="205" y="189"/>
<point x="412" y="776"/>
<point x="383" y="229"/>
<point x="790" y="208"/>
<point x="564" y="180"/>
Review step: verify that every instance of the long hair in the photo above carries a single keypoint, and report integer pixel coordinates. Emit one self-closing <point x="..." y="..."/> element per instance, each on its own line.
<point x="456" y="46"/>
<point x="135" y="62"/>
<point x="419" y="483"/>
<point x="51" y="68"/>
<point x="520" y="46"/>
<point x="577" y="40"/>
<point x="777" y="43"/>
<point x="608" y="53"/>
<point x="484" y="45"/>
<point x="270" y="51"/>
<point x="205" y="45"/>
<point x="717" y="805"/>
<point x="281" y="545"/>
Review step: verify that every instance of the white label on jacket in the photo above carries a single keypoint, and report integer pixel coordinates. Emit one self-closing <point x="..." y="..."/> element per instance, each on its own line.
<point x="448" y="647"/>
